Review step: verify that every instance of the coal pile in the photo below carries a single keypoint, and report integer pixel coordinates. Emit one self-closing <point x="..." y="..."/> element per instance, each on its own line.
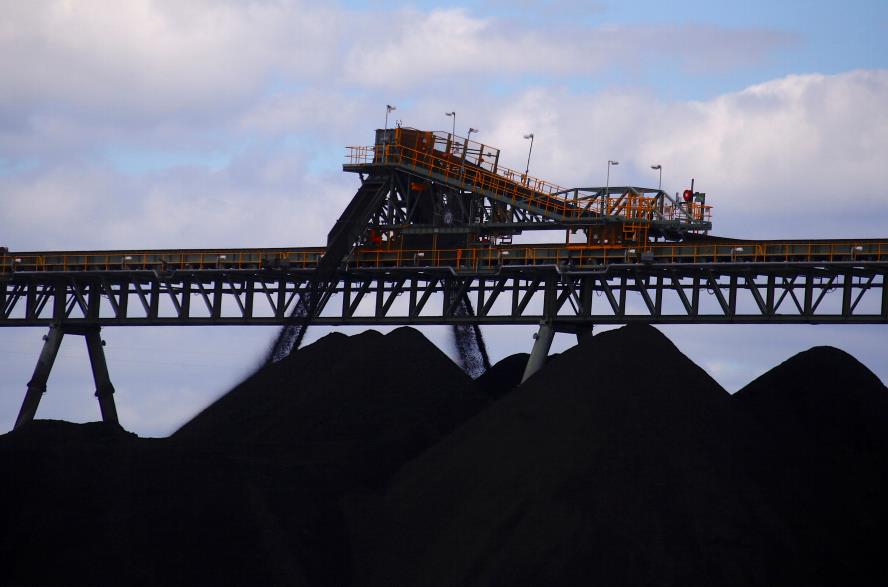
<point x="504" y="376"/>
<point x="612" y="465"/>
<point x="375" y="460"/>
<point x="249" y="492"/>
<point x="815" y="437"/>
<point x="85" y="504"/>
<point x="357" y="407"/>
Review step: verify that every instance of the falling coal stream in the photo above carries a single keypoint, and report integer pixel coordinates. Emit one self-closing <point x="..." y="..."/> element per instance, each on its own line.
<point x="470" y="343"/>
<point x="290" y="337"/>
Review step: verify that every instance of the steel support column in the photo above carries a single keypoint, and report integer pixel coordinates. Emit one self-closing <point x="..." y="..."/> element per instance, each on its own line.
<point x="37" y="384"/>
<point x="544" y="337"/>
<point x="587" y="290"/>
<point x="540" y="351"/>
<point x="104" y="389"/>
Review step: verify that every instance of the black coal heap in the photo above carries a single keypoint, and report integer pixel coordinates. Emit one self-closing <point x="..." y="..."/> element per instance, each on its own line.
<point x="374" y="460"/>
<point x="365" y="403"/>
<point x="815" y="439"/>
<point x="85" y="504"/>
<point x="504" y="376"/>
<point x="612" y="465"/>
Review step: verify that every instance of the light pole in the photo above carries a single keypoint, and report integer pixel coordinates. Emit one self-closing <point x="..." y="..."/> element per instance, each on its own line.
<point x="607" y="187"/>
<point x="388" y="109"/>
<point x="453" y="128"/>
<point x="659" y="168"/>
<point x="469" y="135"/>
<point x="529" y="151"/>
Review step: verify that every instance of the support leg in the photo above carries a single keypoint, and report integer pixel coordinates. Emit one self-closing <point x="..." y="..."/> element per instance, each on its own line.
<point x="587" y="291"/>
<point x="37" y="384"/>
<point x="104" y="389"/>
<point x="540" y="350"/>
<point x="584" y="334"/>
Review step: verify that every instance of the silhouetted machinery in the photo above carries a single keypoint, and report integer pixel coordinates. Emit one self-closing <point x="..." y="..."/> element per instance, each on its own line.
<point x="423" y="192"/>
<point x="435" y="217"/>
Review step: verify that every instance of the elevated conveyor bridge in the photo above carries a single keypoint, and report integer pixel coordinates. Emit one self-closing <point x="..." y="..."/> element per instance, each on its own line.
<point x="430" y="229"/>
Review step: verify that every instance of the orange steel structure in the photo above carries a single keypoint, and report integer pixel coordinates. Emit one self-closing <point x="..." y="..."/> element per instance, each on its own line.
<point x="475" y="166"/>
<point x="621" y="227"/>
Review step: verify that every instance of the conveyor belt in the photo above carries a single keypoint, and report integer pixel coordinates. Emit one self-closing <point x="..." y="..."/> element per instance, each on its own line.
<point x="702" y="251"/>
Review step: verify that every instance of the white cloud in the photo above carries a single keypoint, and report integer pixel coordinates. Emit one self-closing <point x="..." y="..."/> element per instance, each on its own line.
<point x="446" y="45"/>
<point x="155" y="57"/>
<point x="150" y="60"/>
<point x="320" y="112"/>
<point x="798" y="156"/>
<point x="259" y="199"/>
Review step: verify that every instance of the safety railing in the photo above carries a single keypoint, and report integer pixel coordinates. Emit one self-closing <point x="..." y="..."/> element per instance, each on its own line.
<point x="580" y="256"/>
<point x="688" y="210"/>
<point x="463" y="162"/>
<point x="574" y="255"/>
<point x="160" y="260"/>
<point x="505" y="182"/>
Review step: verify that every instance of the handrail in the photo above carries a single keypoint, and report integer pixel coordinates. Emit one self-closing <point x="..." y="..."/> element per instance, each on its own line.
<point x="453" y="163"/>
<point x="469" y="257"/>
<point x="594" y="255"/>
<point x="163" y="259"/>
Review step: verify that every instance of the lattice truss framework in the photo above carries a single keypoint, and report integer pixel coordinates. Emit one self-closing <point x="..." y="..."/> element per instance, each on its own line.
<point x="755" y="293"/>
<point x="411" y="204"/>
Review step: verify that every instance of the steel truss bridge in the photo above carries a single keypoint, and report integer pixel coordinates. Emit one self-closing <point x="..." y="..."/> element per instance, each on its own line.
<point x="535" y="284"/>
<point x="430" y="231"/>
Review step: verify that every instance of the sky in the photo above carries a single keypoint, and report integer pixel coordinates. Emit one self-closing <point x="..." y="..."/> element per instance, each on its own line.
<point x="199" y="123"/>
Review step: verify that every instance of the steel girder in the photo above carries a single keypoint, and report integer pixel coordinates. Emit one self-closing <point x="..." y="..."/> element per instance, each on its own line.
<point x="747" y="293"/>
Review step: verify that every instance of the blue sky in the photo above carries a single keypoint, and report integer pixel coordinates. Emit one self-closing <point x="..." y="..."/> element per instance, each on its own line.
<point x="222" y="123"/>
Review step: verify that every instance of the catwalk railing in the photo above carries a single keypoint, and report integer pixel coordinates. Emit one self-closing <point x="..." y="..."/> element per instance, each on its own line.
<point x="388" y="255"/>
<point x="462" y="163"/>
